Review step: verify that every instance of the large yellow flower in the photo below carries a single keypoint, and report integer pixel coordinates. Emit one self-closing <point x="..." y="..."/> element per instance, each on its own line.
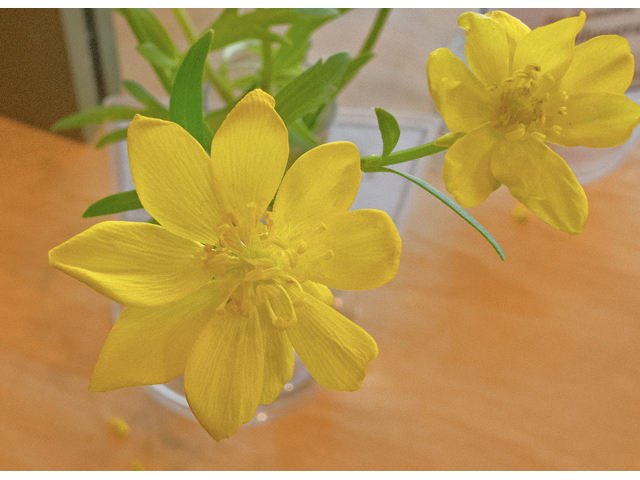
<point x="224" y="290"/>
<point x="524" y="88"/>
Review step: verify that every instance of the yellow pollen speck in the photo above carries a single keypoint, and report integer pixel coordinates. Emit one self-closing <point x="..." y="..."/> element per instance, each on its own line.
<point x="520" y="215"/>
<point x="137" y="466"/>
<point x="562" y="111"/>
<point x="119" y="427"/>
<point x="557" y="130"/>
<point x="328" y="255"/>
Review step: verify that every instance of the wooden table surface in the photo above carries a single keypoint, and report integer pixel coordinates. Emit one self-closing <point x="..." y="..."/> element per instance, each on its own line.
<point x="531" y="363"/>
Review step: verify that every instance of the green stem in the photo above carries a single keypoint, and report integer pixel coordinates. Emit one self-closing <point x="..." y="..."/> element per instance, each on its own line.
<point x="376" y="163"/>
<point x="187" y="26"/>
<point x="189" y="30"/>
<point x="376" y="28"/>
<point x="267" y="66"/>
<point x="365" y="52"/>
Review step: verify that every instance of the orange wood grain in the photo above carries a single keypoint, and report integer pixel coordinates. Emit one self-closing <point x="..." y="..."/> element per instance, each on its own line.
<point x="531" y="363"/>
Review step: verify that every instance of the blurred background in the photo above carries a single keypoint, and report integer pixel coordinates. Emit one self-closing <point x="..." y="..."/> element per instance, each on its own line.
<point x="57" y="61"/>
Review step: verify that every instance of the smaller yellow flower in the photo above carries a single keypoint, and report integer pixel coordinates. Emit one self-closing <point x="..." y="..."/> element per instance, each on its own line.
<point x="225" y="289"/>
<point x="523" y="89"/>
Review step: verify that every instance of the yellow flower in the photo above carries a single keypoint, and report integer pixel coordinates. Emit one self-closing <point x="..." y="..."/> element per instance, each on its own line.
<point x="224" y="289"/>
<point x="524" y="88"/>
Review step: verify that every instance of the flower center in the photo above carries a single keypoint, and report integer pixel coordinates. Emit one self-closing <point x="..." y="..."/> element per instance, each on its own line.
<point x="525" y="100"/>
<point x="265" y="261"/>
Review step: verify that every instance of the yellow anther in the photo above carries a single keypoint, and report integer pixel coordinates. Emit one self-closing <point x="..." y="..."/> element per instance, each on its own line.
<point x="290" y="279"/>
<point x="278" y="241"/>
<point x="272" y="314"/>
<point x="547" y="81"/>
<point x="302" y="247"/>
<point x="292" y="256"/>
<point x="268" y="219"/>
<point x="541" y="137"/>
<point x="230" y="218"/>
<point x="515" y="134"/>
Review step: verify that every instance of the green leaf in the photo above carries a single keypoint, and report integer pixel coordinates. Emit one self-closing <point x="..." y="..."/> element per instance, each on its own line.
<point x="353" y="67"/>
<point x="185" y="105"/>
<point x="155" y="56"/>
<point x="96" y="116"/>
<point x="116" y="203"/>
<point x="230" y="28"/>
<point x="453" y="206"/>
<point x="300" y="133"/>
<point x="112" y="137"/>
<point x="147" y="28"/>
<point x="155" y="109"/>
<point x="389" y="129"/>
<point x="311" y="89"/>
<point x="293" y="54"/>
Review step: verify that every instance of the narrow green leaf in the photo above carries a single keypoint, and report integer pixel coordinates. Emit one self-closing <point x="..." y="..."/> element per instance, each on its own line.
<point x="96" y="116"/>
<point x="112" y="137"/>
<point x="146" y="27"/>
<point x="453" y="206"/>
<point x="352" y="69"/>
<point x="116" y="203"/>
<point x="185" y="105"/>
<point x="230" y="28"/>
<point x="155" y="56"/>
<point x="389" y="129"/>
<point x="155" y="109"/>
<point x="311" y="89"/>
<point x="301" y="131"/>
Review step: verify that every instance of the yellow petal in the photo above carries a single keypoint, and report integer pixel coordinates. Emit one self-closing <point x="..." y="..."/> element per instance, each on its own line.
<point x="321" y="292"/>
<point x="601" y="64"/>
<point x="333" y="348"/>
<point x="150" y="345"/>
<point x="354" y="250"/>
<point x="461" y="98"/>
<point x="541" y="180"/>
<point x="133" y="263"/>
<point x="550" y="47"/>
<point x="597" y="120"/>
<point x="224" y="374"/>
<point x="486" y="48"/>
<point x="322" y="182"/>
<point x="513" y="28"/>
<point x="278" y="362"/>
<point x="466" y="171"/>
<point x="174" y="178"/>
<point x="249" y="153"/>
